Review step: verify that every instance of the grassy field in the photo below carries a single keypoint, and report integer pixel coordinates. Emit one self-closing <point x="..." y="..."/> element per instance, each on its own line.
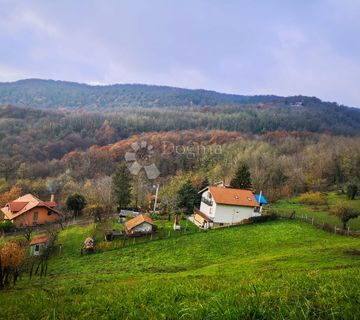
<point x="319" y="213"/>
<point x="280" y="269"/>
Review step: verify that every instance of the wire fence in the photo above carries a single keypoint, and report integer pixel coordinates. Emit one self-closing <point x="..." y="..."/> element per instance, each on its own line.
<point x="322" y="225"/>
<point x="124" y="240"/>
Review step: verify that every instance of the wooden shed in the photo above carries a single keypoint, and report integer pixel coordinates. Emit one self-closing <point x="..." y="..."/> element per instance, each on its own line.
<point x="140" y="225"/>
<point x="38" y="245"/>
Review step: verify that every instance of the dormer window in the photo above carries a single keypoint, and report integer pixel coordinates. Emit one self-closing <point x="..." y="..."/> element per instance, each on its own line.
<point x="236" y="197"/>
<point x="249" y="198"/>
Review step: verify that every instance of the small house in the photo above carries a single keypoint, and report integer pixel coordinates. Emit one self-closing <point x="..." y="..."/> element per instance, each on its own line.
<point x="140" y="225"/>
<point x="225" y="206"/>
<point x="28" y="210"/>
<point x="38" y="245"/>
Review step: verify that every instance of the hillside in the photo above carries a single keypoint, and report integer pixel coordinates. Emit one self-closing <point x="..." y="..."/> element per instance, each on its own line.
<point x="250" y="271"/>
<point x="58" y="94"/>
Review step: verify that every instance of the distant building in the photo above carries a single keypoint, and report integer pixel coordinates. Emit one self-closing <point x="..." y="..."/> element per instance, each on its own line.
<point x="140" y="225"/>
<point x="223" y="206"/>
<point x="29" y="210"/>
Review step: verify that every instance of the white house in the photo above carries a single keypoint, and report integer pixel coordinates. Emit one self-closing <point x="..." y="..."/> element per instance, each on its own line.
<point x="223" y="206"/>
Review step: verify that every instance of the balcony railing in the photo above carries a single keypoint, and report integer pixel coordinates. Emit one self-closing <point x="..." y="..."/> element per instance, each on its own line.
<point x="207" y="201"/>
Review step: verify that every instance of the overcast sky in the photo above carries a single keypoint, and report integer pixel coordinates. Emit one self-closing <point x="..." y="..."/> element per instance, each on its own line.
<point x="284" y="47"/>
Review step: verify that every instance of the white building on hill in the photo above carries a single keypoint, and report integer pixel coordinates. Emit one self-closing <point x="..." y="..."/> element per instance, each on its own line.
<point x="224" y="206"/>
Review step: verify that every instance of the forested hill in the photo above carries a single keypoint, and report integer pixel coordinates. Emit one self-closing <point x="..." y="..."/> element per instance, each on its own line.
<point x="130" y="109"/>
<point x="39" y="93"/>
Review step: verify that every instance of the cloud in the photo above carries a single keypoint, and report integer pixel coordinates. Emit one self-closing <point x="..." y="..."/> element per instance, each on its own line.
<point x="8" y="74"/>
<point x="245" y="47"/>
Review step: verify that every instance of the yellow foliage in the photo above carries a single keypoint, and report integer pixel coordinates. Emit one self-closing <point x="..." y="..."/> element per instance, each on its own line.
<point x="12" y="255"/>
<point x="313" y="198"/>
<point x="9" y="196"/>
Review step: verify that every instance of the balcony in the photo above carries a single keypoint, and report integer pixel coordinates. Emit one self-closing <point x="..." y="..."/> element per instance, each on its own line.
<point x="207" y="201"/>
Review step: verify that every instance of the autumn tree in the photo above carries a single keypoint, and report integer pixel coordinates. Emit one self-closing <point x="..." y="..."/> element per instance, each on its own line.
<point x="9" y="196"/>
<point x="97" y="211"/>
<point x="12" y="258"/>
<point x="345" y="213"/>
<point x="122" y="186"/>
<point x="98" y="192"/>
<point x="242" y="178"/>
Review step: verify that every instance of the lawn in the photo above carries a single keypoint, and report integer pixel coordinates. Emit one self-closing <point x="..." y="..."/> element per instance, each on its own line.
<point x="321" y="214"/>
<point x="279" y="269"/>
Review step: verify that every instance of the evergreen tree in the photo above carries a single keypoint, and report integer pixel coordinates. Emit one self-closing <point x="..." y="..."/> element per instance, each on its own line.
<point x="204" y="183"/>
<point x="76" y="203"/>
<point x="242" y="178"/>
<point x="122" y="186"/>
<point x="186" y="197"/>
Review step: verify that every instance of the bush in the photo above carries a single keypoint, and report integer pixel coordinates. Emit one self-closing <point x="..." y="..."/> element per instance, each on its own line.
<point x="263" y="218"/>
<point x="313" y="198"/>
<point x="7" y="226"/>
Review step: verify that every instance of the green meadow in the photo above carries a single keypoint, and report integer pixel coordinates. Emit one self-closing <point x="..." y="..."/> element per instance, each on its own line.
<point x="276" y="270"/>
<point x="320" y="213"/>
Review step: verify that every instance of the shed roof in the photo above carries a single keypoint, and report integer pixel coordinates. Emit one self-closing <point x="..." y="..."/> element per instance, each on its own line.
<point x="132" y="223"/>
<point x="40" y="239"/>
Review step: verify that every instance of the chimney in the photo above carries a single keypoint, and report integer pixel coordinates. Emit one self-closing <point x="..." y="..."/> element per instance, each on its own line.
<point x="52" y="198"/>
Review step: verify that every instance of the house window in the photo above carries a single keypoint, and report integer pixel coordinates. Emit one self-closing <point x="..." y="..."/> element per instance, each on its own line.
<point x="35" y="216"/>
<point x="37" y="248"/>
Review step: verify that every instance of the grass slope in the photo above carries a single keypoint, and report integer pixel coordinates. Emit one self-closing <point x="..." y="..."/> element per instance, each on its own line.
<point x="281" y="269"/>
<point x="321" y="214"/>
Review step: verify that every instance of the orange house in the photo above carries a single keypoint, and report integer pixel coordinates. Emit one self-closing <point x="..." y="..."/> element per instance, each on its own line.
<point x="29" y="211"/>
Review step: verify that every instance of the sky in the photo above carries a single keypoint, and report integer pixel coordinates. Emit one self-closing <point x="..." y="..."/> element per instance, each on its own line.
<point x="282" y="47"/>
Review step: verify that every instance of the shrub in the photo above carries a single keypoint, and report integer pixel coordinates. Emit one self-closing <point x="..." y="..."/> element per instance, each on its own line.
<point x="313" y="198"/>
<point x="104" y="246"/>
<point x="7" y="226"/>
<point x="263" y="218"/>
<point x="344" y="212"/>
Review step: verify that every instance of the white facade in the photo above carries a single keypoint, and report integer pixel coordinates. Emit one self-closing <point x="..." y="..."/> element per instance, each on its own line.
<point x="142" y="228"/>
<point x="225" y="213"/>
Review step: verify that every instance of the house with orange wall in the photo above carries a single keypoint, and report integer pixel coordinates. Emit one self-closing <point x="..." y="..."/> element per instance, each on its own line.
<point x="28" y="210"/>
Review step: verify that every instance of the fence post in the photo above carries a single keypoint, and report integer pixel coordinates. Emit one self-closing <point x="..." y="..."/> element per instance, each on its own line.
<point x="348" y="231"/>
<point x="151" y="237"/>
<point x="335" y="229"/>
<point x="134" y="240"/>
<point x="169" y="233"/>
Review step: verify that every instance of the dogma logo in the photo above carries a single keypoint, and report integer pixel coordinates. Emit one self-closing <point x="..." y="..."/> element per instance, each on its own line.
<point x="141" y="158"/>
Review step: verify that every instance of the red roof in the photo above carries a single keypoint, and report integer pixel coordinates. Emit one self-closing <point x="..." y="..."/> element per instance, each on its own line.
<point x="16" y="206"/>
<point x="50" y="204"/>
<point x="40" y="239"/>
<point x="23" y="204"/>
<point x="231" y="196"/>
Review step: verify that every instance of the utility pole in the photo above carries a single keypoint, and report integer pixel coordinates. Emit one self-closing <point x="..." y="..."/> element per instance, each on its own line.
<point x="156" y="196"/>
